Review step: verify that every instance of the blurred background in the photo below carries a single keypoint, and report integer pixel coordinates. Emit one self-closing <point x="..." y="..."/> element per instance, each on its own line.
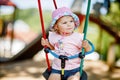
<point x="21" y="53"/>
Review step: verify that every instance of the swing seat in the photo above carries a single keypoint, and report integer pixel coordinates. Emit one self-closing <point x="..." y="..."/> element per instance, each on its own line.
<point x="46" y="75"/>
<point x="84" y="75"/>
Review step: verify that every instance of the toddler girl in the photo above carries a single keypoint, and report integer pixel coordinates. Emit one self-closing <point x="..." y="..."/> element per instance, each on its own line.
<point x="64" y="41"/>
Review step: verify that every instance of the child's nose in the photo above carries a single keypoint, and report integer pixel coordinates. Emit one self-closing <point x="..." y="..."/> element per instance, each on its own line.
<point x="69" y="24"/>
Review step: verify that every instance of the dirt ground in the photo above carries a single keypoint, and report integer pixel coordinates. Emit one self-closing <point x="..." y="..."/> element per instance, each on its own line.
<point x="32" y="70"/>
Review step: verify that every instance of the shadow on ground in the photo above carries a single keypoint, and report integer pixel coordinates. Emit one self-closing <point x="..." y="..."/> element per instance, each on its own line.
<point x="32" y="69"/>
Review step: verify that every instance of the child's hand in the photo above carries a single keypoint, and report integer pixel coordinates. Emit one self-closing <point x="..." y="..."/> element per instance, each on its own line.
<point x="44" y="42"/>
<point x="85" y="45"/>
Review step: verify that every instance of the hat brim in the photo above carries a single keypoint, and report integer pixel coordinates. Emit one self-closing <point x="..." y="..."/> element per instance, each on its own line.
<point x="75" y="17"/>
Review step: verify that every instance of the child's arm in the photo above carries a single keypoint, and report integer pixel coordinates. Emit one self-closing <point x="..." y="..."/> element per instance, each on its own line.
<point x="86" y="45"/>
<point x="45" y="42"/>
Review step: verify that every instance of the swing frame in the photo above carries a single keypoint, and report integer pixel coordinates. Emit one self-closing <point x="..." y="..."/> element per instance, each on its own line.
<point x="48" y="70"/>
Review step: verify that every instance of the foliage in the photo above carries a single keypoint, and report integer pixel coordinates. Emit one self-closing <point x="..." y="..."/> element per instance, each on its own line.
<point x="6" y="17"/>
<point x="113" y="17"/>
<point x="32" y="18"/>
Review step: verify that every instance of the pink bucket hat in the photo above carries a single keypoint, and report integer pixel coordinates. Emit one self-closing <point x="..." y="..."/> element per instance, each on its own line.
<point x="58" y="13"/>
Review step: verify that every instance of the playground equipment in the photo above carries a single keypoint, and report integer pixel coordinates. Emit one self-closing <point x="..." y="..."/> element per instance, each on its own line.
<point x="4" y="26"/>
<point x="63" y="58"/>
<point x="34" y="47"/>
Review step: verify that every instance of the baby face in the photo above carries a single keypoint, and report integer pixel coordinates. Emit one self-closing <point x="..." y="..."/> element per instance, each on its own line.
<point x="65" y="25"/>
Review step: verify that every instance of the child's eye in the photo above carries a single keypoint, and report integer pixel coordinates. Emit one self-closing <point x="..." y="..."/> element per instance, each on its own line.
<point x="71" y="21"/>
<point x="64" y="22"/>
